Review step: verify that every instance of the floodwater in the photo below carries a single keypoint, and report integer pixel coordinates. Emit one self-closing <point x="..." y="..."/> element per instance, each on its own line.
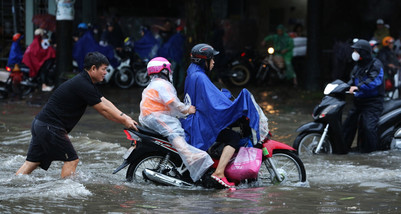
<point x="354" y="183"/>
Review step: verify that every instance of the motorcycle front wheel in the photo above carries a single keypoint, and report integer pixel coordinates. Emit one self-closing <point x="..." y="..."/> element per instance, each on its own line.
<point x="142" y="78"/>
<point x="290" y="168"/>
<point x="306" y="144"/>
<point x="152" y="162"/>
<point x="124" y="78"/>
<point x="242" y="75"/>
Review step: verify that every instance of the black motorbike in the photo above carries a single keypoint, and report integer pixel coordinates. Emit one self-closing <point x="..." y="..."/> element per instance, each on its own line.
<point x="138" y="65"/>
<point x="238" y="68"/>
<point x="324" y="135"/>
<point x="151" y="158"/>
<point x="271" y="68"/>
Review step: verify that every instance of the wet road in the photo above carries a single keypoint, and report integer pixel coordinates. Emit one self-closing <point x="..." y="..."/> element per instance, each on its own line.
<point x="353" y="183"/>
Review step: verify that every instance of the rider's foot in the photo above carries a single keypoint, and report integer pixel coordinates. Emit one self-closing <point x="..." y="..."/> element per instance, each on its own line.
<point x="223" y="181"/>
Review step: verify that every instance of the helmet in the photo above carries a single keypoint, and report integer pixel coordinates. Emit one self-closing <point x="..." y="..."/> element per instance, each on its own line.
<point x="83" y="26"/>
<point x="387" y="40"/>
<point x="202" y="51"/>
<point x="16" y="36"/>
<point x="40" y="32"/>
<point x="156" y="65"/>
<point x="362" y="44"/>
<point x="373" y="42"/>
<point x="379" y="21"/>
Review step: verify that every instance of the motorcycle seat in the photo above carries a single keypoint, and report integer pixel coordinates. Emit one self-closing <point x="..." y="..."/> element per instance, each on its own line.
<point x="150" y="132"/>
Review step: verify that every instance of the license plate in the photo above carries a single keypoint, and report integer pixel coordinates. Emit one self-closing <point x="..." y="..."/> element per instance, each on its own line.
<point x="128" y="152"/>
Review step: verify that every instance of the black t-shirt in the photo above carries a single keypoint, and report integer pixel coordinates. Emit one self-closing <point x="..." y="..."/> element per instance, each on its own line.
<point x="68" y="102"/>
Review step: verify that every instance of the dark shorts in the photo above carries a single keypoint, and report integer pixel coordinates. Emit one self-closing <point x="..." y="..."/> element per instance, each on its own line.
<point x="226" y="137"/>
<point x="49" y="143"/>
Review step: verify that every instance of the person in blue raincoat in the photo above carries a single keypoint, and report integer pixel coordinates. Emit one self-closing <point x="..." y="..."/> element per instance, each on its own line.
<point x="86" y="44"/>
<point x="16" y="53"/>
<point x="215" y="111"/>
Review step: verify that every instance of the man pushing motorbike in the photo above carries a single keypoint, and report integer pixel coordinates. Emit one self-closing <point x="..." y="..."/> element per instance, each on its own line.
<point x="62" y="112"/>
<point x="215" y="112"/>
<point x="368" y="87"/>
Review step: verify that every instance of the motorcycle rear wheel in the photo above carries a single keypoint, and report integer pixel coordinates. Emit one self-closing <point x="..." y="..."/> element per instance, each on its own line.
<point x="124" y="78"/>
<point x="142" y="78"/>
<point x="152" y="162"/>
<point x="288" y="165"/>
<point x="306" y="144"/>
<point x="243" y="75"/>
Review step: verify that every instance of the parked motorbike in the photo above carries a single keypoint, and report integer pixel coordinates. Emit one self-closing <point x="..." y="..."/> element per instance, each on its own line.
<point x="393" y="85"/>
<point x="123" y="76"/>
<point x="324" y="135"/>
<point x="271" y="68"/>
<point x="240" y="68"/>
<point x="137" y="64"/>
<point x="151" y="158"/>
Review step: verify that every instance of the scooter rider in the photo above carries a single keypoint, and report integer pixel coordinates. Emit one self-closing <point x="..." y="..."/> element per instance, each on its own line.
<point x="215" y="111"/>
<point x="368" y="87"/>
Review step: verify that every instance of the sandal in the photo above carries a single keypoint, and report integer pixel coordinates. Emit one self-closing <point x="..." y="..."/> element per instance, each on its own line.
<point x="223" y="181"/>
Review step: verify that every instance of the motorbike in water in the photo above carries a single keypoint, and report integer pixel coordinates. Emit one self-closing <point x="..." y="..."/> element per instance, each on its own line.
<point x="271" y="68"/>
<point x="324" y="135"/>
<point x="151" y="158"/>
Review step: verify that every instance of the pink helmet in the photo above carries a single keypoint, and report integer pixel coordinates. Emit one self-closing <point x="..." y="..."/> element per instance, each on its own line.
<point x="158" y="64"/>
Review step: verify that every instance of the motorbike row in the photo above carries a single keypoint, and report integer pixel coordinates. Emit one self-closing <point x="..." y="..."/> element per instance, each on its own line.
<point x="151" y="158"/>
<point x="131" y="70"/>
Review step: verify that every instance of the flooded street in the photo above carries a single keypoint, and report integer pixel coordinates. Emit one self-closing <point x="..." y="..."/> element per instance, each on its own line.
<point x="353" y="183"/>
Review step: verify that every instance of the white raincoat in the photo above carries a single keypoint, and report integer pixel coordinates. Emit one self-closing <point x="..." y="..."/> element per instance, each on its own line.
<point x="160" y="108"/>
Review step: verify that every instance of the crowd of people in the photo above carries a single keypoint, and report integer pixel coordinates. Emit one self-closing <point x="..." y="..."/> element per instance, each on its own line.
<point x="164" y="40"/>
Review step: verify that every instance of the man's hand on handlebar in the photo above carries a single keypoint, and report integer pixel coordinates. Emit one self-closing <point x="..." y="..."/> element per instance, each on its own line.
<point x="353" y="89"/>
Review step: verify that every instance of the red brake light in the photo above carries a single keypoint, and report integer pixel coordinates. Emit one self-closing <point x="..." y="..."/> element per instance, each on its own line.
<point x="128" y="135"/>
<point x="8" y="69"/>
<point x="243" y="54"/>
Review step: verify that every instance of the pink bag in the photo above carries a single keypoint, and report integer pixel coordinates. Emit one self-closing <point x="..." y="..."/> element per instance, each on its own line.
<point x="246" y="164"/>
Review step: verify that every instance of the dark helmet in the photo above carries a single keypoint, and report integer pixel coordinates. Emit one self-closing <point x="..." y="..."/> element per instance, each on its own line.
<point x="202" y="52"/>
<point x="362" y="44"/>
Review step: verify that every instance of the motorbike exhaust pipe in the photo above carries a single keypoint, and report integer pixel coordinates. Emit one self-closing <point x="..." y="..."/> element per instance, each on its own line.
<point x="164" y="179"/>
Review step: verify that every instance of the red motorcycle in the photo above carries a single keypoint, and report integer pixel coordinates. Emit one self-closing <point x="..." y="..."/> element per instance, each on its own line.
<point x="151" y="158"/>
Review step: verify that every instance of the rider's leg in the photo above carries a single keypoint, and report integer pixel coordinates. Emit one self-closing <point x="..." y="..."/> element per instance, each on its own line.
<point x="231" y="139"/>
<point x="226" y="155"/>
<point x="289" y="70"/>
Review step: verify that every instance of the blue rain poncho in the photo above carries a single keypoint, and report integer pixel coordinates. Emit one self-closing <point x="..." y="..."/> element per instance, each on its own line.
<point x="215" y="111"/>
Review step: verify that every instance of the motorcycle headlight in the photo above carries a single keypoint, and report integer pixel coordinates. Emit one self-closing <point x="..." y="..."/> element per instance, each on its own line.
<point x="270" y="50"/>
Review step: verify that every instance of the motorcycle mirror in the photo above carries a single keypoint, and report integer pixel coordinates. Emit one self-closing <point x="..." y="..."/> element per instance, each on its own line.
<point x="270" y="50"/>
<point x="329" y="88"/>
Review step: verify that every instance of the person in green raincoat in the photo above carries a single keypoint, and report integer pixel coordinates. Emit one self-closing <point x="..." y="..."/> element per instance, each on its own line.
<point x="283" y="45"/>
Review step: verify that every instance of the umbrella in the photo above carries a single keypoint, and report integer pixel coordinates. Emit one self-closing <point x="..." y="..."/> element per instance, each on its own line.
<point x="45" y="21"/>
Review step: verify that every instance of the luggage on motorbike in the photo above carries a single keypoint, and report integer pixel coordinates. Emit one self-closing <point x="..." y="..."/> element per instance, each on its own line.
<point x="246" y="164"/>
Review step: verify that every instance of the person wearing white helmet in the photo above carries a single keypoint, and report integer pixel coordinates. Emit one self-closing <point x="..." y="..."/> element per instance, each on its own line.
<point x="160" y="108"/>
<point x="381" y="31"/>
